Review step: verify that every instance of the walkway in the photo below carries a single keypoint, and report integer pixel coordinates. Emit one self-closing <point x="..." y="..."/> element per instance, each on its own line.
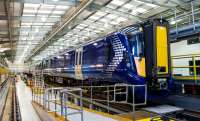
<point x="24" y="96"/>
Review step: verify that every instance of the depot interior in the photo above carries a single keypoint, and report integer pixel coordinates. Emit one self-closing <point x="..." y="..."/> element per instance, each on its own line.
<point x="102" y="60"/>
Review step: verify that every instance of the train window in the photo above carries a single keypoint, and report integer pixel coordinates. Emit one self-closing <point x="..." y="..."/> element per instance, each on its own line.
<point x="126" y="58"/>
<point x="193" y="41"/>
<point x="72" y="59"/>
<point x="137" y="44"/>
<point x="76" y="58"/>
<point x="197" y="62"/>
<point x="80" y="57"/>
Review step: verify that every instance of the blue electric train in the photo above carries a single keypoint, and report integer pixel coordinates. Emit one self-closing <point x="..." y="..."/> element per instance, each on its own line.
<point x="137" y="54"/>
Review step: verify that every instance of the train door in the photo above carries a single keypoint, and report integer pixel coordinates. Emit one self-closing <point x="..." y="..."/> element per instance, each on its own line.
<point x="78" y="63"/>
<point x="157" y="53"/>
<point x="137" y="47"/>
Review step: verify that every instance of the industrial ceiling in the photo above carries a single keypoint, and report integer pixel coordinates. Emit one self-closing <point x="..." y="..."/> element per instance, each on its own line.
<point x="32" y="30"/>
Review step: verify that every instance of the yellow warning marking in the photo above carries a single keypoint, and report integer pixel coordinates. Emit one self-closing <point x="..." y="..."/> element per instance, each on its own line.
<point x="140" y="65"/>
<point x="162" y="49"/>
<point x="57" y="117"/>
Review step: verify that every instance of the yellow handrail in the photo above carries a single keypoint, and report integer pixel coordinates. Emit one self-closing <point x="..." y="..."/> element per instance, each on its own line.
<point x="194" y="66"/>
<point x="187" y="55"/>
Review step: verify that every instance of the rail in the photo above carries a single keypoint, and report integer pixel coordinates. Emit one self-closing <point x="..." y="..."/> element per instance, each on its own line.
<point x="55" y="100"/>
<point x="4" y="88"/>
<point x="15" y="105"/>
<point x="186" y="67"/>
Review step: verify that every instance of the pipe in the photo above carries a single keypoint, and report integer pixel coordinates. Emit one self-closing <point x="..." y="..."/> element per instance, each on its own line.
<point x="7" y="9"/>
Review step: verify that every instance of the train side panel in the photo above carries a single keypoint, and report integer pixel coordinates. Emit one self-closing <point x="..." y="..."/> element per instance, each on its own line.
<point x="94" y="60"/>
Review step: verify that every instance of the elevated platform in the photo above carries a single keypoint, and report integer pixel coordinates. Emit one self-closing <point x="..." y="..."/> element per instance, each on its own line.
<point x="182" y="101"/>
<point x="28" y="112"/>
<point x="163" y="109"/>
<point x="24" y="96"/>
<point x="55" y="109"/>
<point x="186" y="80"/>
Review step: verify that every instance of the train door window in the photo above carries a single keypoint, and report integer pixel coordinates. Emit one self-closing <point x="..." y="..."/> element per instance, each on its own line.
<point x="80" y="58"/>
<point x="72" y="58"/>
<point x="137" y="44"/>
<point x="197" y="62"/>
<point x="76" y="58"/>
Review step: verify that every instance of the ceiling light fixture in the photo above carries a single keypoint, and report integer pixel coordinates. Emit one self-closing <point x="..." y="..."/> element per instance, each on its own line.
<point x="88" y="33"/>
<point x="172" y="22"/>
<point x="32" y="37"/>
<point x="37" y="30"/>
<point x="106" y="25"/>
<point x="43" y="18"/>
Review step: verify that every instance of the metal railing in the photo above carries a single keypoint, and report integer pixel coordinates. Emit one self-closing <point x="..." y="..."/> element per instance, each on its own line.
<point x="56" y="100"/>
<point x="186" y="23"/>
<point x="113" y="94"/>
<point x="59" y="100"/>
<point x="184" y="67"/>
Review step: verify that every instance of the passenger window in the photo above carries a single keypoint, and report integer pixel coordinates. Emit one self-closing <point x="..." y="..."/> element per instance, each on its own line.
<point x="137" y="45"/>
<point x="80" y="57"/>
<point x="76" y="58"/>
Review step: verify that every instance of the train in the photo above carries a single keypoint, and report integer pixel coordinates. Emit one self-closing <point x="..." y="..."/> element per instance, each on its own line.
<point x="137" y="55"/>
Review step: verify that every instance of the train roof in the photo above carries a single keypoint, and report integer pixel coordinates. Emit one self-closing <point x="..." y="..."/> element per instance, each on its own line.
<point x="124" y="30"/>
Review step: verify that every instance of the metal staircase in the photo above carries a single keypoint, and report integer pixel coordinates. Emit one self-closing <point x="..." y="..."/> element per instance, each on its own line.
<point x="118" y="55"/>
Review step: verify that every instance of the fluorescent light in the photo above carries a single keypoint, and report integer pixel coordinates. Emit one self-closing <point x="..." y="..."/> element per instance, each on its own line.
<point x="58" y="12"/>
<point x="175" y="21"/>
<point x="128" y="6"/>
<point x="120" y="19"/>
<point x="94" y="17"/>
<point x="37" y="30"/>
<point x="31" y="5"/>
<point x="139" y="1"/>
<point x="4" y="49"/>
<point x="62" y="7"/>
<point x="88" y="33"/>
<point x="99" y="13"/>
<point x="29" y="15"/>
<point x="141" y="10"/>
<point x="26" y="24"/>
<point x="117" y="2"/>
<point x="111" y="16"/>
<point x="32" y="37"/>
<point x="151" y="5"/>
<point x="114" y="22"/>
<point x="106" y="25"/>
<point x="30" y="11"/>
<point x="134" y="12"/>
<point x="43" y="18"/>
<point x="49" y="24"/>
<point x="44" y="11"/>
<point x="95" y="44"/>
<point x="38" y="24"/>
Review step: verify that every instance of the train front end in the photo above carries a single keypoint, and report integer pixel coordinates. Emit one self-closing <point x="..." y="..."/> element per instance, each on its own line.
<point x="157" y="55"/>
<point x="150" y="53"/>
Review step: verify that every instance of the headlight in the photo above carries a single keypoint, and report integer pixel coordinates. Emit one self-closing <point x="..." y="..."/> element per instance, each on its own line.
<point x="162" y="83"/>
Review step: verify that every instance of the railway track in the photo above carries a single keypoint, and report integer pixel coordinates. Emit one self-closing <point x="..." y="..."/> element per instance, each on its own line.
<point x="187" y="115"/>
<point x="9" y="109"/>
<point x="4" y="88"/>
